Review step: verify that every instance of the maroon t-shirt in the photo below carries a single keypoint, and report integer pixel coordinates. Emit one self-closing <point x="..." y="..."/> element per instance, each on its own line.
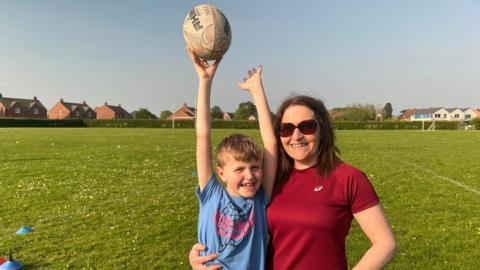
<point x="310" y="216"/>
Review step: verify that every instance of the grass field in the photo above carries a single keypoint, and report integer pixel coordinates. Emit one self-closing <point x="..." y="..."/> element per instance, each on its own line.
<point x="124" y="198"/>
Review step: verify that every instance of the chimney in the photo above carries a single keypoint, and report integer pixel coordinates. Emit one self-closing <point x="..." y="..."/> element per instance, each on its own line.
<point x="1" y="95"/>
<point x="61" y="100"/>
<point x="35" y="98"/>
<point x="120" y="105"/>
<point x="106" y="104"/>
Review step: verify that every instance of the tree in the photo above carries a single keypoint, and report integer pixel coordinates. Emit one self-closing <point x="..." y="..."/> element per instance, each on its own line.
<point x="144" y="113"/>
<point x="387" y="111"/>
<point x="165" y="114"/>
<point x="216" y="112"/>
<point x="355" y="112"/>
<point x="245" y="109"/>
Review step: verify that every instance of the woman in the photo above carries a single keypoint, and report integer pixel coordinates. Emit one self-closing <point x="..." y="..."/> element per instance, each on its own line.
<point x="316" y="196"/>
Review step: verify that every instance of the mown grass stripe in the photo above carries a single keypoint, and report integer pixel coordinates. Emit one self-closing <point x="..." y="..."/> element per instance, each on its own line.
<point x="445" y="178"/>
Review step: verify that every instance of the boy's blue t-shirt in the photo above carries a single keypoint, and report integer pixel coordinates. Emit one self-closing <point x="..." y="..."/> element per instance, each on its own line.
<point x="234" y="227"/>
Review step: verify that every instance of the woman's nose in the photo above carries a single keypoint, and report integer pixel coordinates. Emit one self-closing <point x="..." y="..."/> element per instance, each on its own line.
<point x="297" y="133"/>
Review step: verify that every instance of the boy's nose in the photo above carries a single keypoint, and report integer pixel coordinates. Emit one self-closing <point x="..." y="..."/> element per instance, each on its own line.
<point x="248" y="174"/>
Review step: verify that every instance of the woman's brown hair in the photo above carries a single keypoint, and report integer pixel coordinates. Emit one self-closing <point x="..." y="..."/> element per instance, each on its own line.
<point x="328" y="156"/>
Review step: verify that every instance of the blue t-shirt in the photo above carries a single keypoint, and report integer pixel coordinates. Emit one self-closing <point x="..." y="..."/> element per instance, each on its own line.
<point x="234" y="227"/>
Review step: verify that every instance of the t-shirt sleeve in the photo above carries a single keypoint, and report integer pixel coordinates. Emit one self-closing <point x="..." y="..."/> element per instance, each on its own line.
<point x="361" y="193"/>
<point x="210" y="189"/>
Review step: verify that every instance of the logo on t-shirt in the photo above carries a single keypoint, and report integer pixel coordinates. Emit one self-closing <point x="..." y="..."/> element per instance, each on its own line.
<point x="233" y="224"/>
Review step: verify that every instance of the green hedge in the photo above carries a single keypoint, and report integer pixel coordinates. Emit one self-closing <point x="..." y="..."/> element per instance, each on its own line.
<point x="154" y="123"/>
<point x="13" y="122"/>
<point x="476" y="122"/>
<point x="145" y="123"/>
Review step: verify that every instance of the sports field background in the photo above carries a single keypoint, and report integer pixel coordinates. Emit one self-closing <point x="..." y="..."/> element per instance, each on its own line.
<point x="124" y="198"/>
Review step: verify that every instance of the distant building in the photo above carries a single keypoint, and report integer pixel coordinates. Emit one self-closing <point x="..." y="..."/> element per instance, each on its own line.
<point x="184" y="113"/>
<point x="22" y="108"/>
<point x="253" y="117"/>
<point x="227" y="116"/>
<point x="109" y="112"/>
<point x="439" y="114"/>
<point x="69" y="110"/>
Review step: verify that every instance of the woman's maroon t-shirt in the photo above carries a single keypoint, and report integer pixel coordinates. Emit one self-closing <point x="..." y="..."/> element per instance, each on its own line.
<point x="309" y="217"/>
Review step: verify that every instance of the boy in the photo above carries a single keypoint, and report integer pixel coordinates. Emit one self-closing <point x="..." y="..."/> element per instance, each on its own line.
<point x="232" y="221"/>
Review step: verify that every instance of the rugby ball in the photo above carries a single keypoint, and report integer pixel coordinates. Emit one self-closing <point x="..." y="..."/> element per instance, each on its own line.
<point x="207" y="31"/>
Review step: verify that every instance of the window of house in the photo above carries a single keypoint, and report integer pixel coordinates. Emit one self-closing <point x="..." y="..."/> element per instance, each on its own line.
<point x="77" y="114"/>
<point x="35" y="111"/>
<point x="437" y="115"/>
<point x="17" y="110"/>
<point x="445" y="116"/>
<point x="457" y="115"/>
<point x="467" y="116"/>
<point x="89" y="114"/>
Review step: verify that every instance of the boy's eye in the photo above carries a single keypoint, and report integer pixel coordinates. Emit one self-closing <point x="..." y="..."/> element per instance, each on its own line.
<point x="255" y="168"/>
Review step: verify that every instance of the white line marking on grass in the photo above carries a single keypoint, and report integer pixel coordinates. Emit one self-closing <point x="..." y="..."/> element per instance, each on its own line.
<point x="455" y="182"/>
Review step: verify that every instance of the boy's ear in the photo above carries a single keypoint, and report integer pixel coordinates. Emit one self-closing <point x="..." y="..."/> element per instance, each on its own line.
<point x="220" y="173"/>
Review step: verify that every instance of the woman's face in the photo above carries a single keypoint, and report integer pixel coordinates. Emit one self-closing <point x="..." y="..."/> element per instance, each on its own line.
<point x="302" y="148"/>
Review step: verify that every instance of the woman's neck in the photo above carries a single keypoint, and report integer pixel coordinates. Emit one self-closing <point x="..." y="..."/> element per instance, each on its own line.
<point x="304" y="165"/>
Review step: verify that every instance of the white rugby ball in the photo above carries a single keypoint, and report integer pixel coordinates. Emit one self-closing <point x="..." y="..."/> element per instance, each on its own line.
<point x="207" y="31"/>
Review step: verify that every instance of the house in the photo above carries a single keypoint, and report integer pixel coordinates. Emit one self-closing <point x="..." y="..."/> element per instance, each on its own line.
<point x="440" y="114"/>
<point x="425" y="114"/>
<point x="461" y="114"/>
<point x="227" y="116"/>
<point x="108" y="112"/>
<point x="22" y="108"/>
<point x="69" y="110"/>
<point x="184" y="113"/>
<point x="253" y="117"/>
<point x="407" y="114"/>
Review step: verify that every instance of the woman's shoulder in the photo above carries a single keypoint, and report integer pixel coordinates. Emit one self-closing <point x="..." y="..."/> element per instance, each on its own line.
<point x="346" y="171"/>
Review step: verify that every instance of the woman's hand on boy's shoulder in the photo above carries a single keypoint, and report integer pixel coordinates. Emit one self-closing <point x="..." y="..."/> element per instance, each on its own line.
<point x="197" y="262"/>
<point x="253" y="81"/>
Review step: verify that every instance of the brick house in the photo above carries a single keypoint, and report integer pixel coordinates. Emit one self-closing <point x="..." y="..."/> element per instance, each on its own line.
<point x="184" y="113"/>
<point x="108" y="112"/>
<point x="22" y="108"/>
<point x="69" y="110"/>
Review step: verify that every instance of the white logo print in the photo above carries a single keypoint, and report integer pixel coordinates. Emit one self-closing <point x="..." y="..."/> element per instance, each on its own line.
<point x="317" y="189"/>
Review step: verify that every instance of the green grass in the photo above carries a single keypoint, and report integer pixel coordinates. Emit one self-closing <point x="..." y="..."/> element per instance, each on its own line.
<point x="124" y="198"/>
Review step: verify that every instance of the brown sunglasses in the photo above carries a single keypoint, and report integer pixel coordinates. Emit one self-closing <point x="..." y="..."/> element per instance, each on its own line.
<point x="306" y="127"/>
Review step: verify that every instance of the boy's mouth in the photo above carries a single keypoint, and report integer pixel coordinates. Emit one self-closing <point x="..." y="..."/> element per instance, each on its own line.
<point x="248" y="184"/>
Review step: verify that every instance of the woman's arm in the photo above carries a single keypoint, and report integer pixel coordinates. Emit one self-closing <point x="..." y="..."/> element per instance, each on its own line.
<point x="375" y="226"/>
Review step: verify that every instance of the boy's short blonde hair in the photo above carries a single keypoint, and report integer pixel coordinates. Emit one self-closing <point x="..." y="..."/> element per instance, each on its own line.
<point x="238" y="146"/>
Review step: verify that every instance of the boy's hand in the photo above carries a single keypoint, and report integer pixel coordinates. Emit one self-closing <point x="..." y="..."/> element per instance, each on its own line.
<point x="204" y="70"/>
<point x="253" y="81"/>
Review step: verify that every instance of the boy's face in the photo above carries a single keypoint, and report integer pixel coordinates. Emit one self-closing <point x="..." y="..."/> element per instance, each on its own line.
<point x="242" y="178"/>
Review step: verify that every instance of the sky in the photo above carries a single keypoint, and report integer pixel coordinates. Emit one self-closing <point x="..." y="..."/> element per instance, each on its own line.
<point x="413" y="54"/>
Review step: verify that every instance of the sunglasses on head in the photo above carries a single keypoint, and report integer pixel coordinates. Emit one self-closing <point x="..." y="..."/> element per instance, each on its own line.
<point x="306" y="127"/>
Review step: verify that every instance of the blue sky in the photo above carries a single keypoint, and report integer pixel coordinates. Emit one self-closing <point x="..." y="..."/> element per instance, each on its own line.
<point x="409" y="53"/>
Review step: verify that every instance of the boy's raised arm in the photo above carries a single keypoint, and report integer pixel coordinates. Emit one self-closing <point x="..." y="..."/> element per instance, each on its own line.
<point x="254" y="84"/>
<point x="205" y="74"/>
